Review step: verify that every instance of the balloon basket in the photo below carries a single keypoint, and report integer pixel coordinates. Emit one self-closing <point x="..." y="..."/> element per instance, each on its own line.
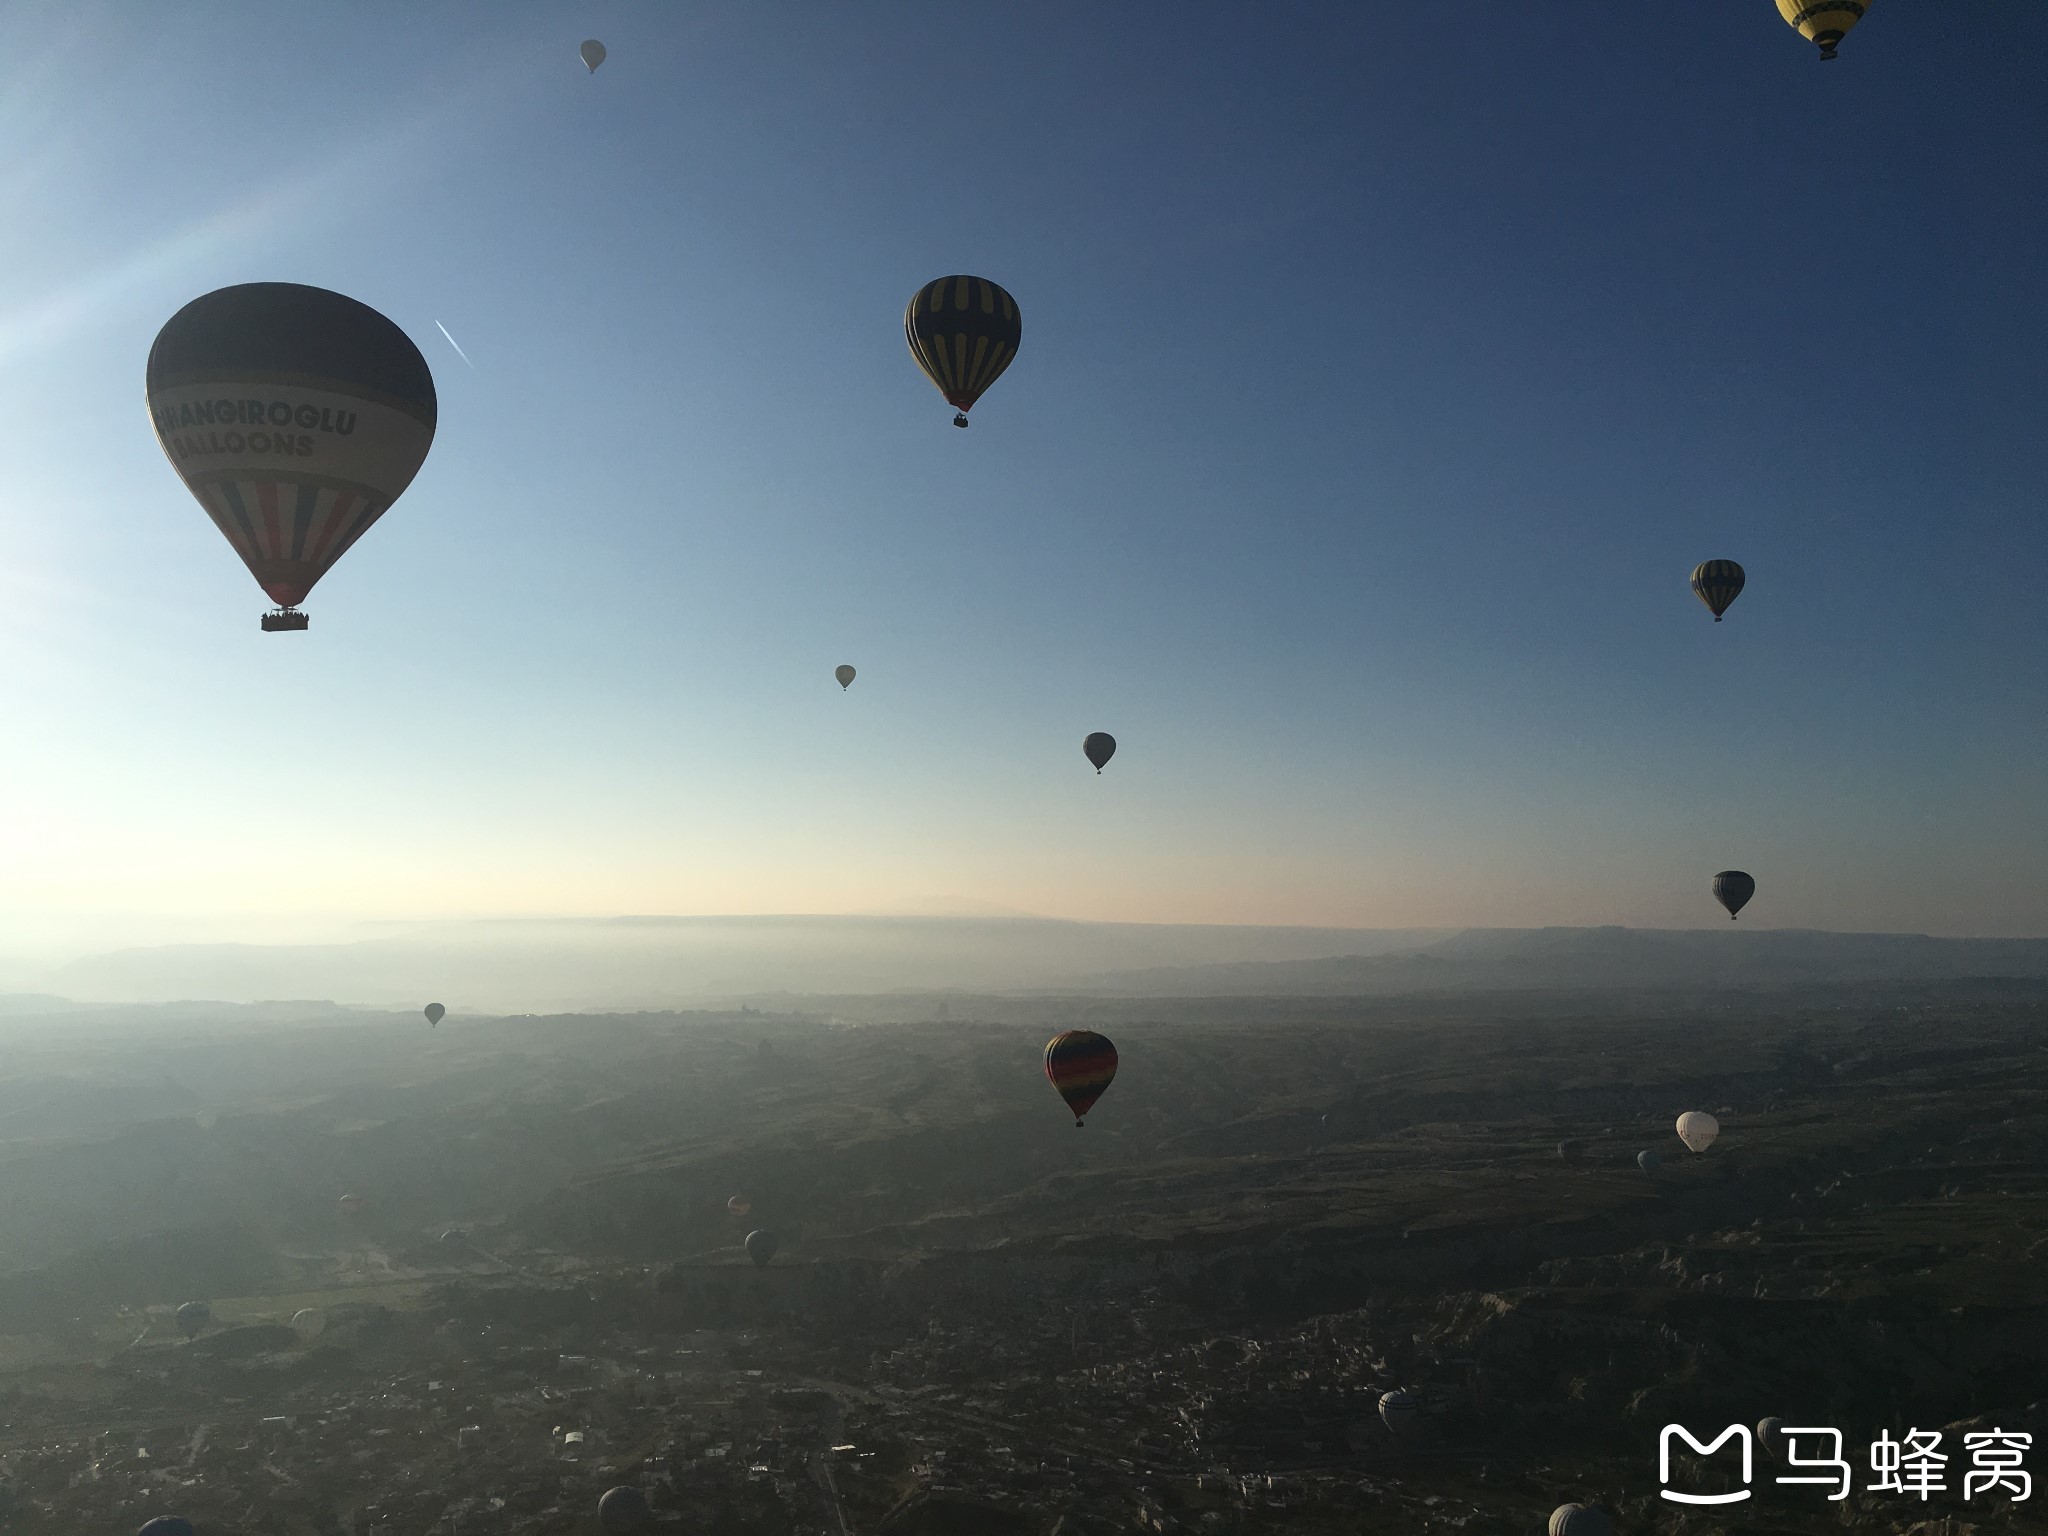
<point x="960" y="420"/>
<point x="284" y="618"/>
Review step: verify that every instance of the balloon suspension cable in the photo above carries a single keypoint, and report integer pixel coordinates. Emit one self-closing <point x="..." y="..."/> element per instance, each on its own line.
<point x="960" y="419"/>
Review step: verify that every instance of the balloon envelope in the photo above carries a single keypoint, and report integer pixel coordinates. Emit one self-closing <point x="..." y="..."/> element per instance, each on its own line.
<point x="1401" y="1411"/>
<point x="845" y="676"/>
<point x="308" y="1321"/>
<point x="1572" y="1151"/>
<point x="1649" y="1162"/>
<point x="166" y="1525"/>
<point x="1080" y="1064"/>
<point x="592" y="54"/>
<point x="1580" y="1520"/>
<point x="1697" y="1129"/>
<point x="1717" y="583"/>
<point x="1099" y="747"/>
<point x="1825" y="22"/>
<point x="435" y="1013"/>
<point x="192" y="1317"/>
<point x="963" y="331"/>
<point x="761" y="1247"/>
<point x="739" y="1205"/>
<point x="1732" y="888"/>
<point x="623" y="1509"/>
<point x="1770" y="1434"/>
<point x="295" y="417"/>
<point x="350" y="1204"/>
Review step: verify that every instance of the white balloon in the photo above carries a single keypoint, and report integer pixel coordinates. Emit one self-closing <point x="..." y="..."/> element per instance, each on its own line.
<point x="1697" y="1129"/>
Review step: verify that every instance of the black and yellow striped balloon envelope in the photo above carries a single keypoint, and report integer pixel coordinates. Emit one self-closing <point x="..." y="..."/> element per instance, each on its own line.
<point x="963" y="331"/>
<point x="1825" y="22"/>
<point x="1717" y="583"/>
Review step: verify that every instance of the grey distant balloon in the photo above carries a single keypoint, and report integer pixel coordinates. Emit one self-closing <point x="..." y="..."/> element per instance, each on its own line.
<point x="1770" y="1434"/>
<point x="624" y="1509"/>
<point x="1733" y="888"/>
<point x="1580" y="1520"/>
<point x="593" y="54"/>
<point x="192" y="1317"/>
<point x="435" y="1014"/>
<point x="761" y="1247"/>
<point x="845" y="676"/>
<point x="1099" y="747"/>
<point x="1649" y="1162"/>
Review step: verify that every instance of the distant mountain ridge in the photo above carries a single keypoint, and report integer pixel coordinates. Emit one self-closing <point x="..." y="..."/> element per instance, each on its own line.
<point x="1483" y="959"/>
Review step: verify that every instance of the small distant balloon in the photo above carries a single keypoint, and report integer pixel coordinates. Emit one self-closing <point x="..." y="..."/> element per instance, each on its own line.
<point x="1697" y="1129"/>
<point x="845" y="676"/>
<point x="350" y="1204"/>
<point x="739" y="1205"/>
<point x="1580" y="1520"/>
<point x="435" y="1014"/>
<point x="1649" y="1161"/>
<point x="1732" y="888"/>
<point x="1770" y="1434"/>
<point x="592" y="53"/>
<point x="1080" y="1064"/>
<point x="1571" y="1151"/>
<point x="624" y="1509"/>
<point x="1099" y="747"/>
<point x="761" y="1247"/>
<point x="1717" y="583"/>
<point x="309" y="1321"/>
<point x="454" y="1237"/>
<point x="166" y="1525"/>
<point x="192" y="1317"/>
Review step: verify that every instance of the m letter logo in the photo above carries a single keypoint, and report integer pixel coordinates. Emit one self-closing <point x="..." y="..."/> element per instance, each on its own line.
<point x="1735" y="1431"/>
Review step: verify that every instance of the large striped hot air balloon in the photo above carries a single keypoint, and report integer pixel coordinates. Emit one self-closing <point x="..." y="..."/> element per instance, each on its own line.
<point x="1825" y="22"/>
<point x="296" y="417"/>
<point x="1717" y="583"/>
<point x="1733" y="888"/>
<point x="963" y="331"/>
<point x="1080" y="1064"/>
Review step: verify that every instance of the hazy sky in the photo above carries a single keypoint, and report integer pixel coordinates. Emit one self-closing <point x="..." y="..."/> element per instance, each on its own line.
<point x="1382" y="380"/>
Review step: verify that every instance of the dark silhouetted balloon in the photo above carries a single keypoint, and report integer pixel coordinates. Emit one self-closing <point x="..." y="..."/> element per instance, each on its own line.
<point x="1770" y="1434"/>
<point x="192" y="1317"/>
<point x="624" y="1509"/>
<point x="1099" y="747"/>
<point x="1825" y="22"/>
<point x="1717" y="583"/>
<point x="1732" y="888"/>
<point x="592" y="54"/>
<point x="845" y="676"/>
<point x="1649" y="1162"/>
<point x="166" y="1525"/>
<point x="454" y="1237"/>
<point x="761" y="1247"/>
<point x="351" y="1205"/>
<point x="295" y="417"/>
<point x="1401" y="1411"/>
<point x="435" y="1014"/>
<point x="739" y="1205"/>
<point x="963" y="331"/>
<point x="1080" y="1064"/>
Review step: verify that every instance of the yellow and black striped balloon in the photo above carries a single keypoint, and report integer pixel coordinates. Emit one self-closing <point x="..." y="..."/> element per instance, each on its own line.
<point x="963" y="331"/>
<point x="1717" y="583"/>
<point x="1825" y="22"/>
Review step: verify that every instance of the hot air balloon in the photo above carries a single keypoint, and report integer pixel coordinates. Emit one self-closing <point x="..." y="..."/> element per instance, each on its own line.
<point x="1770" y="1434"/>
<point x="1649" y="1161"/>
<point x="296" y="417"/>
<point x="1081" y="1064"/>
<point x="592" y="54"/>
<point x="350" y="1204"/>
<point x="963" y="331"/>
<point x="1732" y="888"/>
<point x="1571" y="1151"/>
<point x="1580" y="1520"/>
<point x="308" y="1322"/>
<point x="166" y="1525"/>
<point x="624" y="1509"/>
<point x="1717" y="583"/>
<point x="1697" y="1129"/>
<point x="761" y="1247"/>
<point x="1099" y="747"/>
<point x="1401" y="1411"/>
<point x="1825" y="22"/>
<point x="739" y="1205"/>
<point x="454" y="1237"/>
<point x="192" y="1317"/>
<point x="435" y="1014"/>
<point x="845" y="676"/>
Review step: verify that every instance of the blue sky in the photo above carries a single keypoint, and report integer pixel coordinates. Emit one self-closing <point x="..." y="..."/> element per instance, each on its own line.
<point x="1380" y="385"/>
